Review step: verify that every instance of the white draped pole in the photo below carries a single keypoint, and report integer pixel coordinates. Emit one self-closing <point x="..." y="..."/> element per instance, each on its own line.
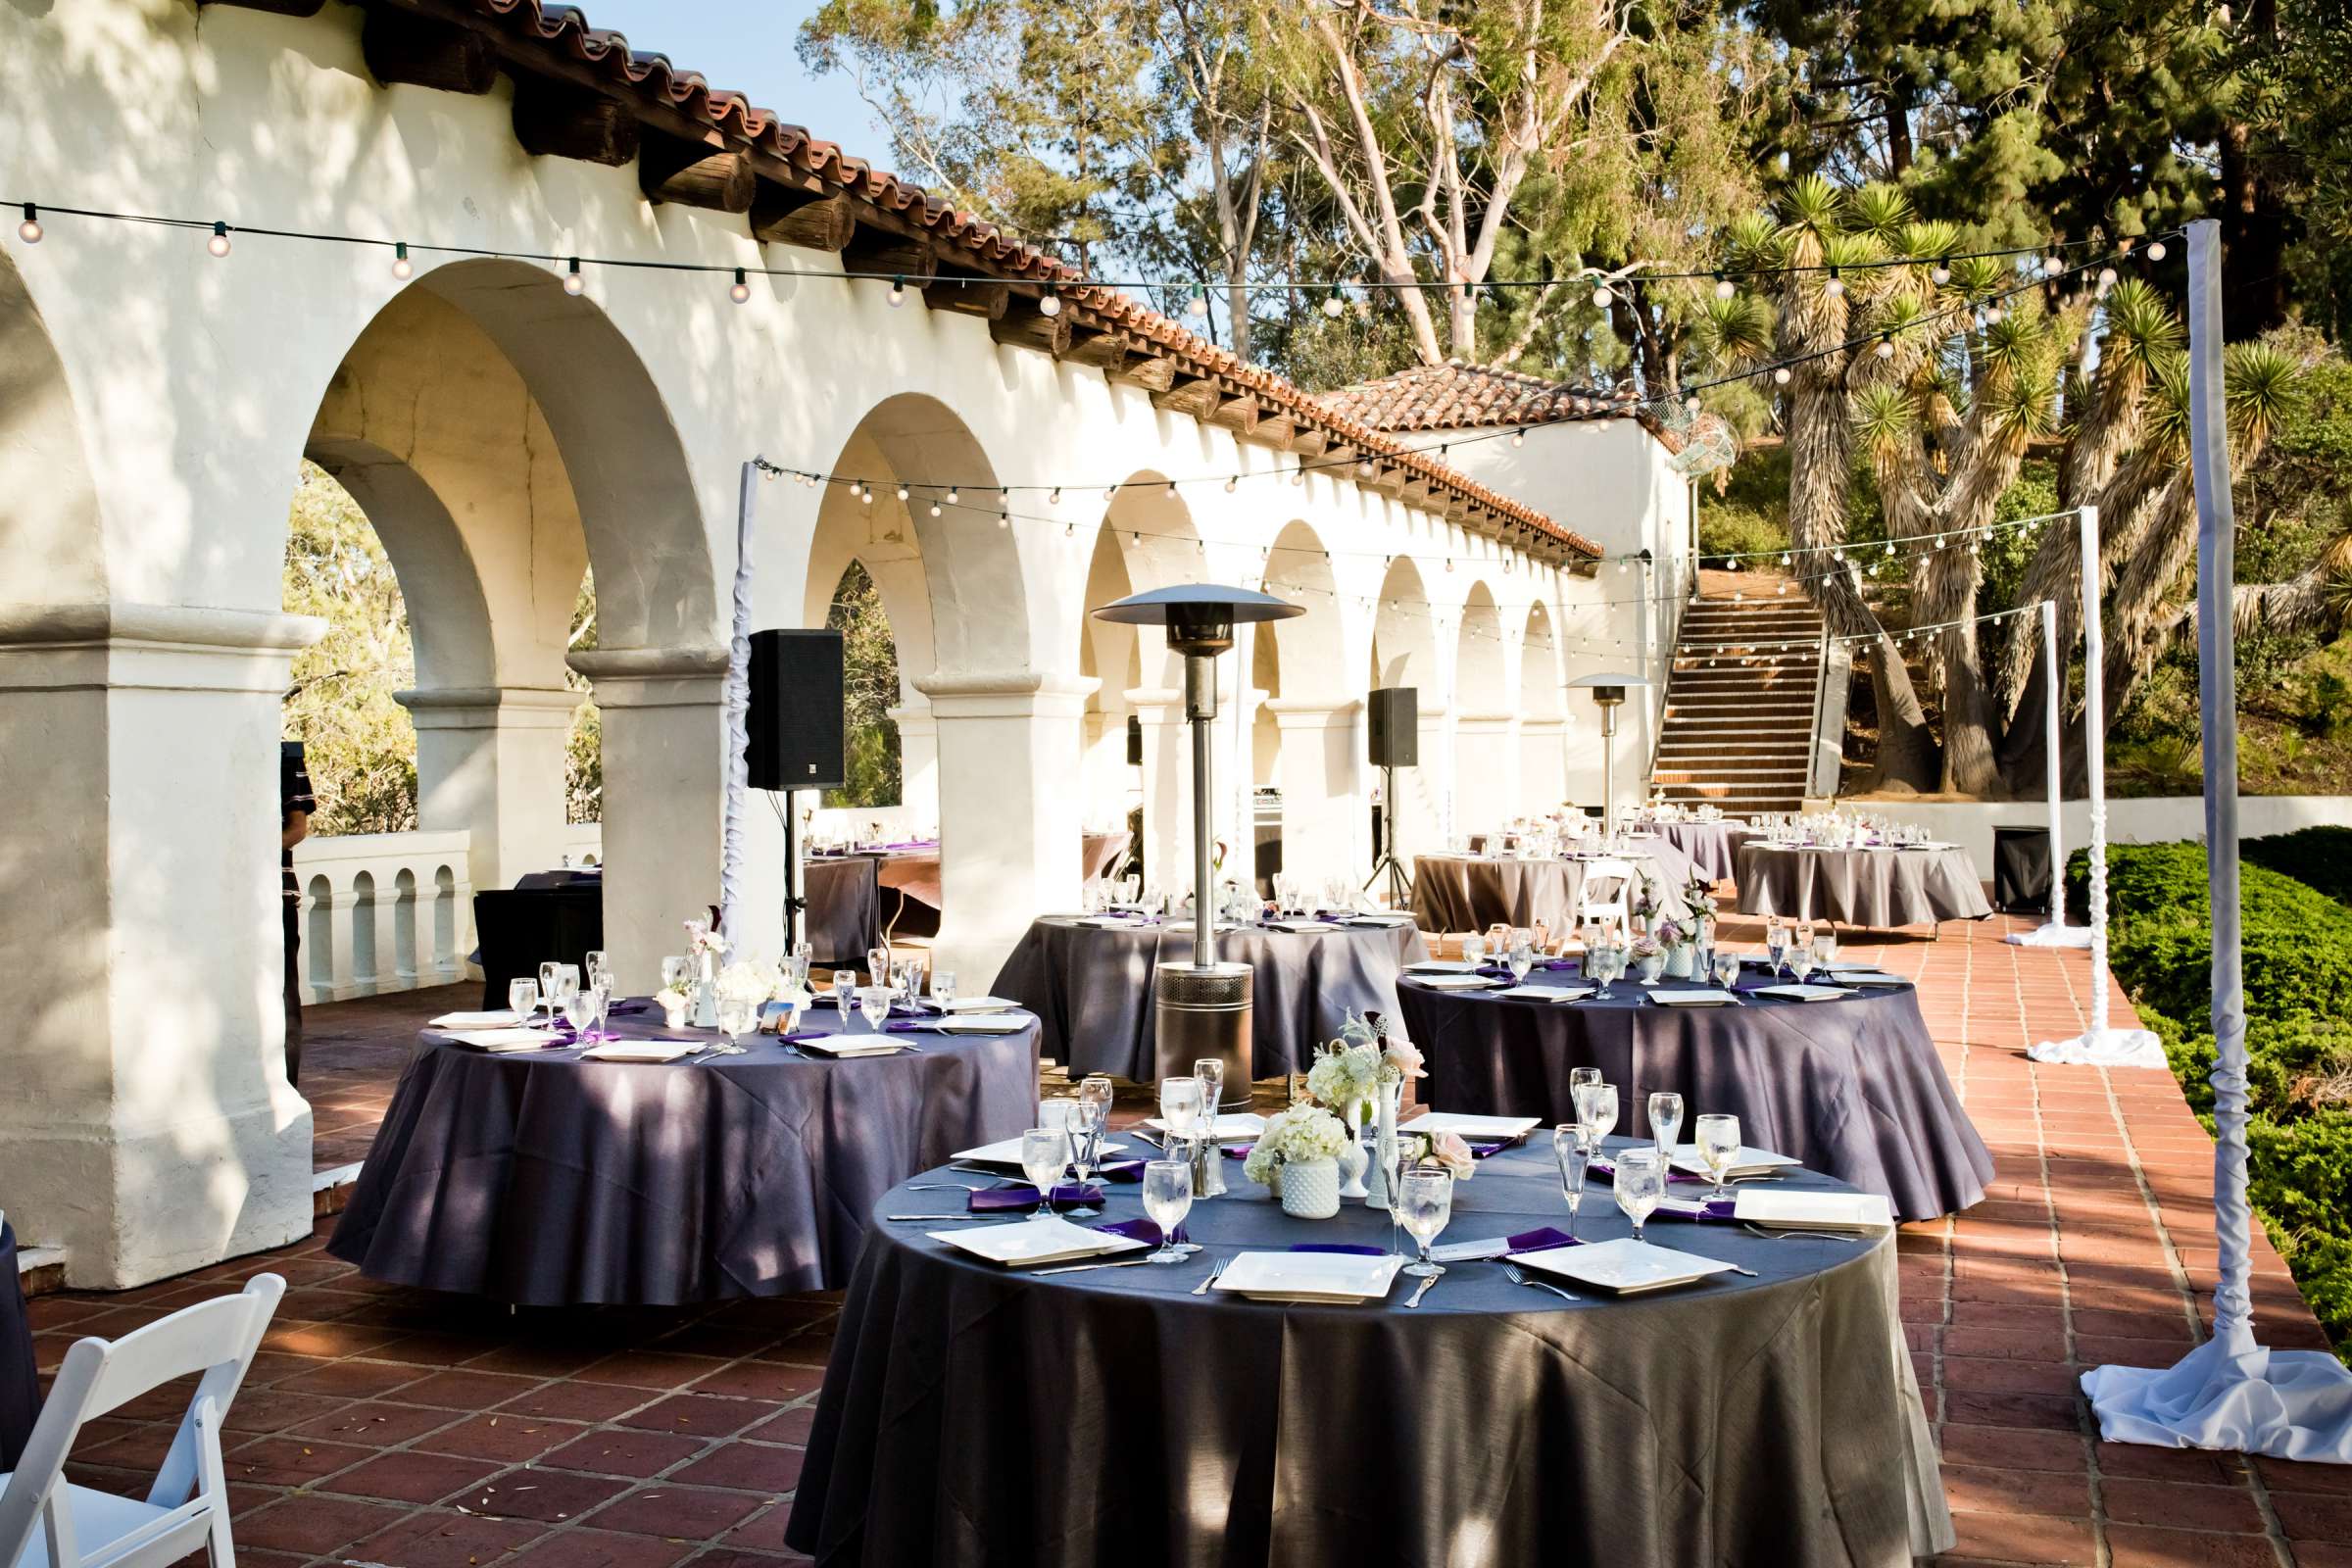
<point x="739" y="706"/>
<point x="2055" y="932"/>
<point x="2228" y="1393"/>
<point x="2099" y="1046"/>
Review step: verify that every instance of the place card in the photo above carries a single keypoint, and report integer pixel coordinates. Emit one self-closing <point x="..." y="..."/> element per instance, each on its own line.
<point x="1796" y="993"/>
<point x="500" y="1019"/>
<point x="1324" y="1278"/>
<point x="1623" y="1266"/>
<point x="1692" y="996"/>
<point x="650" y="1051"/>
<point x="1746" y="1161"/>
<point x="1009" y="1152"/>
<point x="1026" y="1244"/>
<point x="1464" y="1125"/>
<point x="1547" y="993"/>
<point x="1815" y="1211"/>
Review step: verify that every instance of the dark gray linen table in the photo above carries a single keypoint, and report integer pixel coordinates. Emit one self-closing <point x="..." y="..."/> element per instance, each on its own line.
<point x="974" y="1416"/>
<point x="542" y="1179"/>
<point x="1877" y="888"/>
<point x="20" y="1378"/>
<point x="1472" y="892"/>
<point x="1713" y="847"/>
<point x="1091" y="988"/>
<point x="1853" y="1088"/>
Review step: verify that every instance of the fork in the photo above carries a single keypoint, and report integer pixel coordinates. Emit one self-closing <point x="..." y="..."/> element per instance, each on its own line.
<point x="1201" y="1289"/>
<point x="1791" y="1236"/>
<point x="1517" y="1278"/>
<point x="943" y="1187"/>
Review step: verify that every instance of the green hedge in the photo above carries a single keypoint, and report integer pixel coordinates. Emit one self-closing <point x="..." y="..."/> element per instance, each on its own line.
<point x="2320" y="857"/>
<point x="2298" y="983"/>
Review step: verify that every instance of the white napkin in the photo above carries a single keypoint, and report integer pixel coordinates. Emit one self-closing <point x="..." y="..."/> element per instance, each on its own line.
<point x="498" y="1018"/>
<point x="501" y="1041"/>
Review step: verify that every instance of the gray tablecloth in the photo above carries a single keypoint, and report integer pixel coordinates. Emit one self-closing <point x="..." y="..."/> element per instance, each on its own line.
<point x="20" y="1379"/>
<point x="546" y="1180"/>
<point x="1091" y="988"/>
<point x="1877" y="888"/>
<point x="972" y="1416"/>
<point x="844" y="909"/>
<point x="1471" y="892"/>
<point x="1713" y="847"/>
<point x="1853" y="1088"/>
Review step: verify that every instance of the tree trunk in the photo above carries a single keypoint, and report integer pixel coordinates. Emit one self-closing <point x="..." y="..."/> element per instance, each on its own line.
<point x="1970" y="757"/>
<point x="1906" y="756"/>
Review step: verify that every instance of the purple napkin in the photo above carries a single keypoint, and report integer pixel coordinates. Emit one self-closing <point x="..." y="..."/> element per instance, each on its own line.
<point x="1022" y="1196"/>
<point x="1351" y="1249"/>
<point x="1537" y="1240"/>
<point x="1235" y="1150"/>
<point x="1711" y="1208"/>
<point x="622" y="1009"/>
<point x="1121" y="1170"/>
<point x="1145" y="1229"/>
<point x="1480" y="1149"/>
<point x="1608" y="1169"/>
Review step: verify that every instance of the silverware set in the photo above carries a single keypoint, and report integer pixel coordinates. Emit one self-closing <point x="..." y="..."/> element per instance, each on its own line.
<point x="1511" y="1270"/>
<point x="1795" y="1235"/>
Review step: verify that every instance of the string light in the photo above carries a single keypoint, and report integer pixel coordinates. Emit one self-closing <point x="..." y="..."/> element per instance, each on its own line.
<point x="954" y="496"/>
<point x="1334" y="306"/>
<point x="1171" y="491"/>
<point x="2156" y="251"/>
<point x="1198" y="304"/>
<point x="1724" y="288"/>
<point x="1943" y="273"/>
<point x="573" y="283"/>
<point x="1233" y="482"/>
<point x="935" y="509"/>
<point x="218" y="243"/>
<point x="29" y="230"/>
<point x="1834" y="284"/>
<point x="1602" y="299"/>
<point x="742" y="291"/>
<point x="1050" y="304"/>
<point x="898" y="293"/>
<point x="1518" y="438"/>
<point x="1886" y="347"/>
<point x="401" y="268"/>
<point x="1054" y="500"/>
<point x="901" y="492"/>
<point x="1779" y="377"/>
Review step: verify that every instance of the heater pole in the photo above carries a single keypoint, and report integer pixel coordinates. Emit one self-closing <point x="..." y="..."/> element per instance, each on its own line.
<point x="1199" y="708"/>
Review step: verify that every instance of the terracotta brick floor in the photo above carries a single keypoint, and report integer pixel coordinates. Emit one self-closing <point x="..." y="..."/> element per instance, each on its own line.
<point x="388" y="1425"/>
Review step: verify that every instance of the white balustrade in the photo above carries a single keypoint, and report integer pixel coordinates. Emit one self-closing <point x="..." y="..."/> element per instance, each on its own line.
<point x="384" y="911"/>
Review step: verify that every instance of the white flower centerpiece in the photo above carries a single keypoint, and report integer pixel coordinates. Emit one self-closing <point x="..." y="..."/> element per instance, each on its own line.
<point x="1650" y="957"/>
<point x="1300" y="1152"/>
<point x="1363" y="1071"/>
<point x="707" y="949"/>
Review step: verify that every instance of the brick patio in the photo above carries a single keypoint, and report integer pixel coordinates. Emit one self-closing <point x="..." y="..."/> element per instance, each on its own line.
<point x="389" y="1426"/>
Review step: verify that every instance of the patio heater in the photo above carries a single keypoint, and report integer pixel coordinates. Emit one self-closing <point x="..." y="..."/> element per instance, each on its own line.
<point x="1202" y="1008"/>
<point x="1608" y="695"/>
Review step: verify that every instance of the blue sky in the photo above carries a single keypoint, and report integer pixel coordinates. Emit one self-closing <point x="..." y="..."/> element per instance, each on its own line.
<point x="747" y="47"/>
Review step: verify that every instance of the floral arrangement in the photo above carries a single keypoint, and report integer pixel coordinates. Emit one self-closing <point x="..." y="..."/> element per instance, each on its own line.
<point x="701" y="940"/>
<point x="1296" y="1136"/>
<point x="1646" y="947"/>
<point x="1351" y="1068"/>
<point x="1700" y="895"/>
<point x="1670" y="935"/>
<point x="747" y="981"/>
<point x="1445" y="1150"/>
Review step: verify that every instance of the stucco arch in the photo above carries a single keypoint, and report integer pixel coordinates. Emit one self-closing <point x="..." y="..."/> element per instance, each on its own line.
<point x="1479" y="662"/>
<point x="1313" y="647"/>
<point x="449" y="620"/>
<point x="1404" y="644"/>
<point x="50" y="550"/>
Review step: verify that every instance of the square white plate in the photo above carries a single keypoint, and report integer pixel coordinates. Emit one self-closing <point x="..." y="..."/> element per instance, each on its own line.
<point x="641" y="1050"/>
<point x="1111" y="922"/>
<point x="1804" y="1211"/>
<point x="504" y="1040"/>
<point x="1869" y="977"/>
<point x="1380" y="919"/>
<point x="1309" y="1276"/>
<point x="1302" y="925"/>
<point x="1009" y="1152"/>
<point x="1457" y="982"/>
<point x="1547" y="993"/>
<point x="859" y="1045"/>
<point x="1708" y="997"/>
<point x="1024" y="1243"/>
<point x="1745" y="1162"/>
<point x="1468" y="1126"/>
<point x="1234" y="1128"/>
<point x="983" y="1023"/>
<point x="1623" y="1265"/>
<point x="503" y="1018"/>
<point x="1804" y="993"/>
<point x="963" y="1005"/>
<point x="1441" y="967"/>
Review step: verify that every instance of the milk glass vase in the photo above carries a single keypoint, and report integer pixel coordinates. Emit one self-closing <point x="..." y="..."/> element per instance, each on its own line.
<point x="706" y="992"/>
<point x="1387" y="1100"/>
<point x="1353" y="1160"/>
<point x="1311" y="1188"/>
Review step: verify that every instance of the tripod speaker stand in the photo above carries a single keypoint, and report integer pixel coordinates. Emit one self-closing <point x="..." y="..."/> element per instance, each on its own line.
<point x="1393" y="738"/>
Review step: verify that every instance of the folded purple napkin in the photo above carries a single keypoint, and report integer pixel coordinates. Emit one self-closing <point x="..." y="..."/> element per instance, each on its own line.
<point x="1349" y="1247"/>
<point x="622" y="1009"/>
<point x="1608" y="1169"/>
<point x="1235" y="1150"/>
<point x="1022" y="1196"/>
<point x="1481" y="1148"/>
<point x="1145" y="1229"/>
<point x="1120" y="1170"/>
<point x="1717" y="1208"/>
<point x="1537" y="1240"/>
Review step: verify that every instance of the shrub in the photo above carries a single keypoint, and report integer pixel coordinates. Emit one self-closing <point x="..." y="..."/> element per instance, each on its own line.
<point x="2317" y="857"/>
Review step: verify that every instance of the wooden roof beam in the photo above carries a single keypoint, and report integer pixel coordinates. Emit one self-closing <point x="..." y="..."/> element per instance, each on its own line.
<point x="968" y="296"/>
<point x="694" y="173"/>
<point x="875" y="253"/>
<point x="782" y="216"/>
<point x="1310" y="441"/>
<point x="1196" y="397"/>
<point x="1238" y="414"/>
<point x="556" y="120"/>
<point x="1106" y="351"/>
<point x="1024" y="326"/>
<point x="407" y="50"/>
<point x="1152" y="373"/>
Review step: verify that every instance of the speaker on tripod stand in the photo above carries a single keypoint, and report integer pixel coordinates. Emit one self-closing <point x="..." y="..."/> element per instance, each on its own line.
<point x="794" y="736"/>
<point x="1394" y="741"/>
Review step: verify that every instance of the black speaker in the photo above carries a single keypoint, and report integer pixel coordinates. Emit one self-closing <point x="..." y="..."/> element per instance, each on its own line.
<point x="1396" y="730"/>
<point x="796" y="717"/>
<point x="1135" y="741"/>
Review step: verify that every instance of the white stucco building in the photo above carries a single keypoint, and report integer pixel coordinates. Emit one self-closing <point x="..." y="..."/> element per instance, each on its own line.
<point x="505" y="435"/>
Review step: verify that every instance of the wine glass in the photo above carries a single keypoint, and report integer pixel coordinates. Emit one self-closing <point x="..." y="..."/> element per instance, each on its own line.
<point x="600" y="994"/>
<point x="1210" y="1070"/>
<point x="1522" y="955"/>
<point x="1825" y="946"/>
<point x="1580" y="1081"/>
<point x="1801" y="963"/>
<point x="844" y="988"/>
<point x="1726" y="970"/>
<point x="1498" y="939"/>
<point x="1423" y="1203"/>
<point x="737" y="1017"/>
<point x="1608" y="966"/>
<point x="1800" y="939"/>
<point x="1045" y="1153"/>
<point x="1775" y="942"/>
<point x="596" y="967"/>
<point x="579" y="1011"/>
<point x="873" y="1004"/>
<point x="1641" y="1183"/>
<point x="1597" y="1112"/>
<point x="1718" y="1140"/>
<point x="1474" y="950"/>
<point x="551" y="973"/>
<point x="1665" y="1120"/>
<point x="877" y="965"/>
<point x="522" y="1000"/>
<point x="1167" y="1199"/>
<point x="943" y="990"/>
<point x="1568" y="1149"/>
<point x="1180" y="1107"/>
<point x="568" y="984"/>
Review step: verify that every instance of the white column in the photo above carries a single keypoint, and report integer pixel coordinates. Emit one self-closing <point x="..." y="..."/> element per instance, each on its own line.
<point x="1326" y="816"/>
<point x="665" y="745"/>
<point x="146" y="1124"/>
<point x="1426" y="811"/>
<point x="1010" y="806"/>
<point x="490" y="763"/>
<point x="1487" y="770"/>
<point x="1167" y="773"/>
<point x="918" y="763"/>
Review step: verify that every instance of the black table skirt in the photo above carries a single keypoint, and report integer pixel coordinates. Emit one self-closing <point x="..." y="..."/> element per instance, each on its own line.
<point x="545" y="1180"/>
<point x="2020" y="869"/>
<point x="520" y="928"/>
<point x="844" y="919"/>
<point x="20" y="1379"/>
<point x="1091" y="988"/>
<point x="972" y="1416"/>
<point x="1851" y="1088"/>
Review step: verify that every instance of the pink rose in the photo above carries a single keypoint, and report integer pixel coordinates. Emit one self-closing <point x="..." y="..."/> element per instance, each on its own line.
<point x="1448" y="1150"/>
<point x="1406" y="1059"/>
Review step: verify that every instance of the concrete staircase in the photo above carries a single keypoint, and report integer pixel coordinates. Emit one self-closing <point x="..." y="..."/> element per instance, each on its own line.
<point x="1740" y="710"/>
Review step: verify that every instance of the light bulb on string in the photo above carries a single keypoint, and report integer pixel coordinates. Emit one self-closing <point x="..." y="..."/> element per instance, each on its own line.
<point x="29" y="230"/>
<point x="1724" y="288"/>
<point x="1833" y="284"/>
<point x="2156" y="251"/>
<point x="935" y="509"/>
<point x="1004" y="519"/>
<point x="1691" y="404"/>
<point x="902" y="492"/>
<point x="1943" y="273"/>
<point x="898" y="293"/>
<point x="573" y="283"/>
<point x="1233" y="482"/>
<point x="1518" y="438"/>
<point x="401" y="268"/>
<point x="865" y="493"/>
<point x="1992" y="315"/>
<point x="1198" y="304"/>
<point x="1171" y="490"/>
<point x="1602" y="299"/>
<point x="1050" y="304"/>
<point x="1298" y="474"/>
<point x="955" y="496"/>
<point x="1334" y="306"/>
<point x="1363" y="468"/>
<point x="1055" y="499"/>
<point x="1779" y="377"/>
<point x="2106" y="278"/>
<point x="218" y="243"/>
<point x="741" y="293"/>
<point x="1886" y="347"/>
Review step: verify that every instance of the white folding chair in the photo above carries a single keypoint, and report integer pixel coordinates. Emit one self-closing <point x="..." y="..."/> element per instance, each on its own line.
<point x="47" y="1522"/>
<point x="1606" y="894"/>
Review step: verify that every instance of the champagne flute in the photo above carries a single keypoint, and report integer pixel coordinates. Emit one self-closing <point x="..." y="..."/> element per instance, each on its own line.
<point x="1045" y="1155"/>
<point x="1641" y="1183"/>
<point x="1775" y="942"/>
<point x="873" y="1004"/>
<point x="877" y="967"/>
<point x="600" y="994"/>
<point x="1718" y="1140"/>
<point x="1582" y="1081"/>
<point x="844" y="990"/>
<point x="522" y="1000"/>
<point x="1665" y="1120"/>
<point x="1167" y="1199"/>
<point x="1210" y="1070"/>
<point x="1568" y="1149"/>
<point x="1423" y="1203"/>
<point x="596" y="965"/>
<point x="1599" y="1114"/>
<point x="550" y="973"/>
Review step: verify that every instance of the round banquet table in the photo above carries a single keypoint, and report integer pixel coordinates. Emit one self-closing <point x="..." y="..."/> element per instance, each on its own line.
<point x="1472" y="892"/>
<point x="542" y="1179"/>
<point x="20" y="1378"/>
<point x="1091" y="987"/>
<point x="1851" y="1087"/>
<point x="1712" y="847"/>
<point x="1879" y="888"/>
<point x="973" y="1415"/>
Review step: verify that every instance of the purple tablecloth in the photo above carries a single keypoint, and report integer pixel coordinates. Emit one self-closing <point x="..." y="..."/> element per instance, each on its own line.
<point x="1877" y="888"/>
<point x="542" y="1179"/>
<point x="20" y="1379"/>
<point x="1091" y="988"/>
<point x="1853" y="1086"/>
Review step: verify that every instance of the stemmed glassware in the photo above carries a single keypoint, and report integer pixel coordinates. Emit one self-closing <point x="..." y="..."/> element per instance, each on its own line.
<point x="1167" y="1199"/>
<point x="674" y="971"/>
<point x="877" y="967"/>
<point x="1522" y="955"/>
<point x="1801" y="963"/>
<point x="1726" y="970"/>
<point x="1181" y="1110"/>
<point x="1568" y="1147"/>
<point x="1718" y="1140"/>
<point x="1775" y="942"/>
<point x="1210" y="1070"/>
<point x="873" y="1004"/>
<point x="601" y="995"/>
<point x="1474" y="950"/>
<point x="1089" y="1114"/>
<point x="579" y="1011"/>
<point x="1596" y="1111"/>
<point x="522" y="1000"/>
<point x="737" y="1017"/>
<point x="1641" y="1183"/>
<point x="1665" y="1120"/>
<point x="1423" y="1203"/>
<point x="1045" y="1155"/>
<point x="1605" y="963"/>
<point x="943" y="989"/>
<point x="1825" y="946"/>
<point x="550" y="973"/>
<point x="595" y="966"/>
<point x="845" y="991"/>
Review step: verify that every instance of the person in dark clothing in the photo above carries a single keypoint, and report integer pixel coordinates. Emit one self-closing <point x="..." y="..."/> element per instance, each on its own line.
<point x="295" y="804"/>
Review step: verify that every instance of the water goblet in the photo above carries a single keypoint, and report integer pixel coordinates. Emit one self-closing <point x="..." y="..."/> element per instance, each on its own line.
<point x="1180" y="1106"/>
<point x="1423" y="1203"/>
<point x="1474" y="951"/>
<point x="567" y="982"/>
<point x="1800" y="937"/>
<point x="1597" y="1112"/>
<point x="579" y="1011"/>
<point x="1641" y="1183"/>
<point x="877" y="967"/>
<point x="1167" y="1199"/>
<point x="522" y="1000"/>
<point x="737" y="1017"/>
<point x="943" y="989"/>
<point x="844" y="990"/>
<point x="1718" y="1140"/>
<point x="1801" y="963"/>
<point x="1726" y="970"/>
<point x="1045" y="1155"/>
<point x="1665" y="1120"/>
<point x="1522" y="955"/>
<point x="1825" y="946"/>
<point x="1568" y="1149"/>
<point x="873" y="1004"/>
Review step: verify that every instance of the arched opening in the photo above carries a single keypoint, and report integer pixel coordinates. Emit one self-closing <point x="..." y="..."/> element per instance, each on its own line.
<point x="1404" y="652"/>
<point x="1542" y="730"/>
<point x="870" y="694"/>
<point x="1315" y="719"/>
<point x="1484" y="720"/>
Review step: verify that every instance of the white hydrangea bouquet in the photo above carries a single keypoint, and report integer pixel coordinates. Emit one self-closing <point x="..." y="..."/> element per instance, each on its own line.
<point x="1349" y="1072"/>
<point x="1297" y="1136"/>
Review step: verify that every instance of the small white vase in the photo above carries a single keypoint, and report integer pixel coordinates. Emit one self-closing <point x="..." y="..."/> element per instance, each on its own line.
<point x="1678" y="961"/>
<point x="1310" y="1189"/>
<point x="673" y="1014"/>
<point x="1383" y="1144"/>
<point x="1353" y="1160"/>
<point x="1652" y="967"/>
